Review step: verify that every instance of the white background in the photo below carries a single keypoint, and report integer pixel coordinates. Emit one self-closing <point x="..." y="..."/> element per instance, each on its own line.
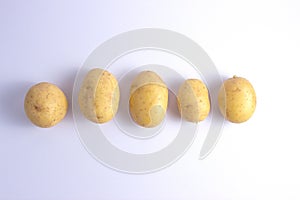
<point x="49" y="41"/>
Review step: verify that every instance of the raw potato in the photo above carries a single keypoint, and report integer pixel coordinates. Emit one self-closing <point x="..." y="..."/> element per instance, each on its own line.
<point x="99" y="96"/>
<point x="45" y="105"/>
<point x="148" y="99"/>
<point x="237" y="99"/>
<point x="193" y="100"/>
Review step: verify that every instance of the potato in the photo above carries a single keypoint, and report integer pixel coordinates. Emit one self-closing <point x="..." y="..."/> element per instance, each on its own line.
<point x="45" y="104"/>
<point x="148" y="99"/>
<point x="99" y="96"/>
<point x="237" y="99"/>
<point x="193" y="100"/>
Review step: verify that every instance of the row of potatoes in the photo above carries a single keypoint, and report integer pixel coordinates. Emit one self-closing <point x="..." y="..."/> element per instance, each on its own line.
<point x="46" y="105"/>
<point x="99" y="98"/>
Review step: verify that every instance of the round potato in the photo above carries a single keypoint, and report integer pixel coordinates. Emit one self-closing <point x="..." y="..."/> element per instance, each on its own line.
<point x="237" y="99"/>
<point x="148" y="99"/>
<point x="99" y="96"/>
<point x="193" y="100"/>
<point x="45" y="104"/>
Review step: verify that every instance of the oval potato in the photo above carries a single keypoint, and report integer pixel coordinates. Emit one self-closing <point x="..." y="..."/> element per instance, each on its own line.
<point x="237" y="99"/>
<point x="193" y="100"/>
<point x="45" y="104"/>
<point x="99" y="96"/>
<point x="148" y="99"/>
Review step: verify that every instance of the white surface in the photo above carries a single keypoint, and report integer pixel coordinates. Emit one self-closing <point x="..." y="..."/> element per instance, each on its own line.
<point x="48" y="41"/>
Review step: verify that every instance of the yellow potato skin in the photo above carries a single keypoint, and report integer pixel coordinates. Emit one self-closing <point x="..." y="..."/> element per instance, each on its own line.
<point x="193" y="100"/>
<point x="237" y="99"/>
<point x="45" y="104"/>
<point x="148" y="100"/>
<point x="99" y="96"/>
